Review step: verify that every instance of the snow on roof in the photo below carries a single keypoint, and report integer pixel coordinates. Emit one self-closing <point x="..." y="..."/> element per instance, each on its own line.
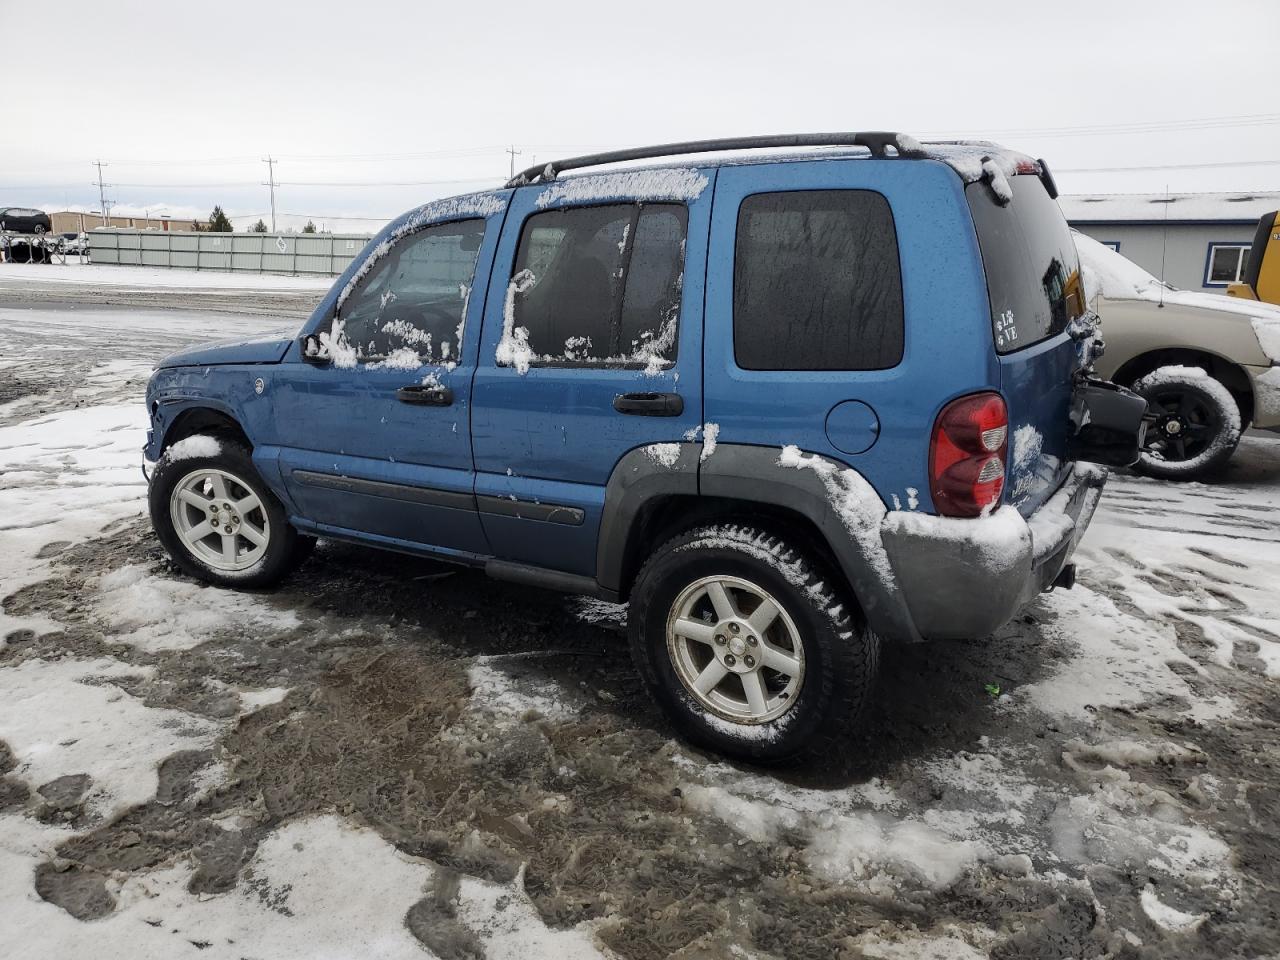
<point x="1154" y="207"/>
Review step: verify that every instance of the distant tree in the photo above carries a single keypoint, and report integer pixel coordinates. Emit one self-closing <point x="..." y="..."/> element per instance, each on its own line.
<point x="197" y="226"/>
<point x="218" y="222"/>
<point x="258" y="227"/>
<point x="309" y="228"/>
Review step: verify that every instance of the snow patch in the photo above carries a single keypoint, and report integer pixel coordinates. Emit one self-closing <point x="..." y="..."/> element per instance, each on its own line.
<point x="995" y="176"/>
<point x="65" y="717"/>
<point x="157" y="613"/>
<point x="1027" y="444"/>
<point x="335" y="347"/>
<point x="1166" y="917"/>
<point x="856" y="503"/>
<point x="513" y="348"/>
<point x="401" y="358"/>
<point x="323" y="888"/>
<point x="1267" y="330"/>
<point x="863" y="846"/>
<point x="1266" y="395"/>
<point x="502" y="696"/>
<point x="663" y="454"/>
<point x="196" y="445"/>
<point x="710" y="434"/>
<point x="677" y="183"/>
<point x="999" y="541"/>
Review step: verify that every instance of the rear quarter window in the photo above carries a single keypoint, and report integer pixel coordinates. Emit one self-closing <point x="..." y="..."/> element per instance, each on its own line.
<point x="1033" y="271"/>
<point x="817" y="283"/>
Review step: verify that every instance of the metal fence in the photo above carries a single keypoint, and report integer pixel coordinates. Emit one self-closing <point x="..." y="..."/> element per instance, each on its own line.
<point x="308" y="253"/>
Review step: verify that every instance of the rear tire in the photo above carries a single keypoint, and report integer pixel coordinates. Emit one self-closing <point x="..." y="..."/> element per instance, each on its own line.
<point x="216" y="517"/>
<point x="732" y="674"/>
<point x="1195" y="427"/>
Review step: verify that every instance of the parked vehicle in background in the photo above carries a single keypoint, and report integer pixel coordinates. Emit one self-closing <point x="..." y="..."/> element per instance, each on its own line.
<point x="1261" y="277"/>
<point x="23" y="249"/>
<point x="24" y="220"/>
<point x="1208" y="365"/>
<point x="844" y="404"/>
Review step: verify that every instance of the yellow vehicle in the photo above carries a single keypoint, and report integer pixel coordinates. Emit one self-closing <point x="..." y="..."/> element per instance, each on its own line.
<point x="1262" y="272"/>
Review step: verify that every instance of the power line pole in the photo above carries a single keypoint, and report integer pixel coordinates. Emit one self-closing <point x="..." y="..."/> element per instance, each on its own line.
<point x="514" y="153"/>
<point x="102" y="196"/>
<point x="271" y="182"/>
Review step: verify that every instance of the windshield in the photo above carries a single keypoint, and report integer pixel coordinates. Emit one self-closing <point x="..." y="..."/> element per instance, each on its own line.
<point x="1033" y="271"/>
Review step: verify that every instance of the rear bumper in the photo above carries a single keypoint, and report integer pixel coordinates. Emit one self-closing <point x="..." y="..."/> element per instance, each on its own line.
<point x="967" y="578"/>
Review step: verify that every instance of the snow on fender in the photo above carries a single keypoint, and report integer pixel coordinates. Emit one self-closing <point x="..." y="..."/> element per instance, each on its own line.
<point x="196" y="445"/>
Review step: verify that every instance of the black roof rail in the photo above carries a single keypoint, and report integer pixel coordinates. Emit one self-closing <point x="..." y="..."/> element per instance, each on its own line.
<point x="875" y="141"/>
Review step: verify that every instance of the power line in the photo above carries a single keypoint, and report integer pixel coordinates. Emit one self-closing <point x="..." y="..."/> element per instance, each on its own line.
<point x="386" y="183"/>
<point x="1136" y="126"/>
<point x="1172" y="166"/>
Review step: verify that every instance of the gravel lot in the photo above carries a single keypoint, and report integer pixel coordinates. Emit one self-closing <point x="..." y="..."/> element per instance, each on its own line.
<point x="390" y="757"/>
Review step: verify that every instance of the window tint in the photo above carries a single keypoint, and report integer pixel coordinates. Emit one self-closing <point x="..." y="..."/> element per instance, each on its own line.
<point x="414" y="298"/>
<point x="603" y="285"/>
<point x="1033" y="271"/>
<point x="816" y="282"/>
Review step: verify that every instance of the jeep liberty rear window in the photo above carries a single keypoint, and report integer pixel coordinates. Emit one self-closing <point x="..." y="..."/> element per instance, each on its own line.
<point x="1033" y="273"/>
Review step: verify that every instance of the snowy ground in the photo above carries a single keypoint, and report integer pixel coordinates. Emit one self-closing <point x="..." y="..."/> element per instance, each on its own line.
<point x="388" y="757"/>
<point x="97" y="285"/>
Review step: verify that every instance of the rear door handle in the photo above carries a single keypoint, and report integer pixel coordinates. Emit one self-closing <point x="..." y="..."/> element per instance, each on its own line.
<point x="650" y="404"/>
<point x="426" y="395"/>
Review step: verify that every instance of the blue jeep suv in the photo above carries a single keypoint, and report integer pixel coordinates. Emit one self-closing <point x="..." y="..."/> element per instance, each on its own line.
<point x="790" y="397"/>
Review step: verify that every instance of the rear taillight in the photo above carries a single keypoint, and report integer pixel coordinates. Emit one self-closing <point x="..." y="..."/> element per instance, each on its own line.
<point x="967" y="455"/>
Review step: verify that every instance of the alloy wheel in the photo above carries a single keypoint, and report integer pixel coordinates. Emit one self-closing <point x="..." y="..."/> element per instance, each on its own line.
<point x="220" y="519"/>
<point x="735" y="649"/>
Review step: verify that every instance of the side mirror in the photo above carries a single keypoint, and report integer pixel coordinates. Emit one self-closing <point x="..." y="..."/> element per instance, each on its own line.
<point x="311" y="350"/>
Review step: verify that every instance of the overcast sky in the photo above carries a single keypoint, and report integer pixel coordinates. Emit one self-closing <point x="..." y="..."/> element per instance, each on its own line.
<point x="182" y="100"/>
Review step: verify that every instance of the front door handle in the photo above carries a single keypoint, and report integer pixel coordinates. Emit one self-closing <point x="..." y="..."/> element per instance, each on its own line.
<point x="426" y="394"/>
<point x="650" y="404"/>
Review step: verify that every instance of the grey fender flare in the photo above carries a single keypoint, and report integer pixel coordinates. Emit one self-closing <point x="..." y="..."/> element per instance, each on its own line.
<point x="173" y="406"/>
<point x="751" y="474"/>
<point x="639" y="478"/>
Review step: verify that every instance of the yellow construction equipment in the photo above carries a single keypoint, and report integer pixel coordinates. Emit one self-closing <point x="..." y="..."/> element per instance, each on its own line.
<point x="1261" y="279"/>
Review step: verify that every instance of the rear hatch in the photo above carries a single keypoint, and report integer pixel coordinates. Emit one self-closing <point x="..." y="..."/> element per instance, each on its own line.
<point x="1033" y="282"/>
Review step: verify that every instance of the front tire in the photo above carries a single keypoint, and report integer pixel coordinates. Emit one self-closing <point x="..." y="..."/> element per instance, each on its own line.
<point x="747" y="647"/>
<point x="1194" y="424"/>
<point x="217" y="519"/>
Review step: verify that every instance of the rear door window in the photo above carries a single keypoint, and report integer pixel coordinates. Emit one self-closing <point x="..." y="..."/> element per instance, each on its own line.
<point x="601" y="285"/>
<point x="1033" y="271"/>
<point x="817" y="283"/>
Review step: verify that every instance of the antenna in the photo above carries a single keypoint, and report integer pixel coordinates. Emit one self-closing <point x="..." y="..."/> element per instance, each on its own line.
<point x="271" y="182"/>
<point x="1164" y="241"/>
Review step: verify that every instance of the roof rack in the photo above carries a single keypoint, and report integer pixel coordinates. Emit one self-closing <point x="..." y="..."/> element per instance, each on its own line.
<point x="875" y="141"/>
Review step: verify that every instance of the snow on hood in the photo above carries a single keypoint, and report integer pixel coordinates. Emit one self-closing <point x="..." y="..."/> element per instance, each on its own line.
<point x="269" y="348"/>
<point x="1116" y="277"/>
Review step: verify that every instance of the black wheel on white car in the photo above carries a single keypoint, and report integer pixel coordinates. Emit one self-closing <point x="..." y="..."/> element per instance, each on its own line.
<point x="1193" y="423"/>
<point x="743" y="642"/>
<point x="217" y="519"/>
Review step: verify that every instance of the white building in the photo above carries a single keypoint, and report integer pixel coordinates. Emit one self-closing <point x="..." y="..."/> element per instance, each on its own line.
<point x="1195" y="241"/>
